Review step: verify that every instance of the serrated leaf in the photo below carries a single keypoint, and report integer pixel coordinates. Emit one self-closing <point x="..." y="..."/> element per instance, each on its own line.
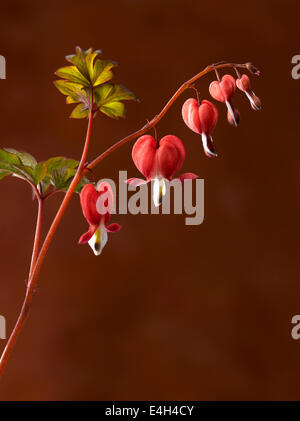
<point x="45" y="184"/>
<point x="9" y="157"/>
<point x="61" y="176"/>
<point x="67" y="88"/>
<point x="25" y="157"/>
<point x="113" y="109"/>
<point x="54" y="163"/>
<point x="108" y="99"/>
<point x="71" y="163"/>
<point x="18" y="170"/>
<point x="28" y="170"/>
<point x="102" y="71"/>
<point x="60" y="162"/>
<point x="89" y="72"/>
<point x="80" y="111"/>
<point x="78" y="60"/>
<point x="72" y="74"/>
<point x="40" y="172"/>
<point x="89" y="61"/>
<point x="109" y="93"/>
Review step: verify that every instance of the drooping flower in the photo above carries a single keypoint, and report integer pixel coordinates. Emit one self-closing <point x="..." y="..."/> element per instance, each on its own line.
<point x="202" y="119"/>
<point x="158" y="161"/>
<point x="97" y="205"/>
<point x="243" y="83"/>
<point x="223" y="91"/>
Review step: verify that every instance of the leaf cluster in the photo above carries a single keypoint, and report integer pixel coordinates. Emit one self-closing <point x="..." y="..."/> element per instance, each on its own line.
<point x="54" y="174"/>
<point x="89" y="73"/>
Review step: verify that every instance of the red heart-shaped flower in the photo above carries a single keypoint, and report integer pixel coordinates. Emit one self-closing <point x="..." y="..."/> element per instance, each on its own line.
<point x="222" y="91"/>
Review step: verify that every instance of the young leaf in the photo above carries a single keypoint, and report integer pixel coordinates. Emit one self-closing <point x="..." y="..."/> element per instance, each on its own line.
<point x="17" y="170"/>
<point x="102" y="71"/>
<point x="108" y="97"/>
<point x="40" y="172"/>
<point x="25" y="157"/>
<point x="71" y="73"/>
<point x="60" y="162"/>
<point x="113" y="109"/>
<point x="80" y="111"/>
<point x="9" y="157"/>
<point x="89" y="72"/>
<point x="61" y="176"/>
<point x="78" y="60"/>
<point x="68" y="88"/>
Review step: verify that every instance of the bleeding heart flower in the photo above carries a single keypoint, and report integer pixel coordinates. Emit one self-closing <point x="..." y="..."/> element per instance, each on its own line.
<point x="202" y="119"/>
<point x="243" y="83"/>
<point x="158" y="161"/>
<point x="96" y="206"/>
<point x="223" y="91"/>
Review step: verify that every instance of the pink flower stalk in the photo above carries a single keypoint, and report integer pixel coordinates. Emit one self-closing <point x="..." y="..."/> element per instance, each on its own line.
<point x="243" y="83"/>
<point x="202" y="119"/>
<point x="96" y="206"/>
<point x="158" y="161"/>
<point x="223" y="91"/>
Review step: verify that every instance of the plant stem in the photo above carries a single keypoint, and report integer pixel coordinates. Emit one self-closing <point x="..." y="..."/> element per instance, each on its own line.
<point x="29" y="289"/>
<point x="36" y="262"/>
<point x="159" y="116"/>
<point x="37" y="236"/>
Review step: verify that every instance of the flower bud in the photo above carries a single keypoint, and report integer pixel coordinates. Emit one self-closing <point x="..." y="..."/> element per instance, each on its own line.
<point x="233" y="117"/>
<point x="243" y="83"/>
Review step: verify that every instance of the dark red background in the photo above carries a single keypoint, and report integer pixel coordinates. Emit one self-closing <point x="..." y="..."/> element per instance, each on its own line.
<point x="168" y="311"/>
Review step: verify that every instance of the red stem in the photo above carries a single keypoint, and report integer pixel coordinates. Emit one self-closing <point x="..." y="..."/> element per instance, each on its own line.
<point x="159" y="116"/>
<point x="29" y="290"/>
<point x="36" y="262"/>
<point x="37" y="236"/>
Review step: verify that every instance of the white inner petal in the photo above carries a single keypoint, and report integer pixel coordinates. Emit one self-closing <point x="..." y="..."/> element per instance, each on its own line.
<point x="251" y="101"/>
<point x="98" y="240"/>
<point x="229" y="107"/>
<point x="159" y="190"/>
<point x="205" y="145"/>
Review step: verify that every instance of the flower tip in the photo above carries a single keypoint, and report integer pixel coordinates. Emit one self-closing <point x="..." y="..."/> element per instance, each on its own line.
<point x="208" y="146"/>
<point x="233" y="116"/>
<point x="256" y="103"/>
<point x="252" y="69"/>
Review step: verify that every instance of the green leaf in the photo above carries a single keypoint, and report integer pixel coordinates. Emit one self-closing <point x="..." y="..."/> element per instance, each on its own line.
<point x="78" y="60"/>
<point x="113" y="109"/>
<point x="18" y="170"/>
<point x="60" y="162"/>
<point x="109" y="93"/>
<point x="45" y="184"/>
<point x="25" y="157"/>
<point x="72" y="74"/>
<point x="68" y="88"/>
<point x="102" y="72"/>
<point x="71" y="163"/>
<point x="28" y="170"/>
<point x="89" y="61"/>
<point x="40" y="172"/>
<point x="108" y="99"/>
<point x="9" y="157"/>
<point x="80" y="111"/>
<point x="61" y="176"/>
<point x="90" y="73"/>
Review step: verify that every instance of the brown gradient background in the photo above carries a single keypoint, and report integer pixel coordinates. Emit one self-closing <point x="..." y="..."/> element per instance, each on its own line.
<point x="168" y="311"/>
